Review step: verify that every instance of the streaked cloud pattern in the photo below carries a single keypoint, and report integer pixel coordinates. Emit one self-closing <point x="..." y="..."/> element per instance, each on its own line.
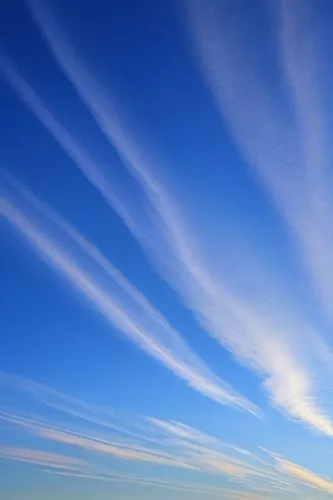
<point x="228" y="290"/>
<point x="157" y="442"/>
<point x="230" y="79"/>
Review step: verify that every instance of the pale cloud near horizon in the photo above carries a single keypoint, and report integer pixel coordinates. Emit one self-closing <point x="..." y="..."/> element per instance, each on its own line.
<point x="62" y="465"/>
<point x="160" y="443"/>
<point x="65" y="466"/>
<point x="38" y="457"/>
<point x="191" y="488"/>
<point x="176" y="445"/>
<point x="241" y="328"/>
<point x="305" y="476"/>
<point x="230" y="67"/>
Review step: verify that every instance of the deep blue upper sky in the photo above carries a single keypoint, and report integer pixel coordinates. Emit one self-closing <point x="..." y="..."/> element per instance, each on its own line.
<point x="166" y="282"/>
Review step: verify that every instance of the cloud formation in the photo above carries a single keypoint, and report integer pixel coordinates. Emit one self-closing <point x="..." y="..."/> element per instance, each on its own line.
<point x="114" y="297"/>
<point x="302" y="54"/>
<point x="159" y="443"/>
<point x="257" y="341"/>
<point x="37" y="457"/>
<point x="89" y="471"/>
<point x="60" y="465"/>
<point x="305" y="476"/>
<point x="266" y="344"/>
<point x="228" y="60"/>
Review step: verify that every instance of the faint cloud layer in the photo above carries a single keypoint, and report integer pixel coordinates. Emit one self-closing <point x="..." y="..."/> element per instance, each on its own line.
<point x="37" y="457"/>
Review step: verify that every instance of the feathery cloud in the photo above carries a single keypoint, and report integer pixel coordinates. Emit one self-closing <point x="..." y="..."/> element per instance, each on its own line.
<point x="305" y="476"/>
<point x="231" y="70"/>
<point x="117" y="300"/>
<point x="37" y="457"/>
<point x="302" y="51"/>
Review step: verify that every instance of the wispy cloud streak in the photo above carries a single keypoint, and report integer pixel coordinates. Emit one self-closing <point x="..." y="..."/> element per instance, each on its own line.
<point x="301" y="54"/>
<point x="37" y="457"/>
<point x="171" y="444"/>
<point x="62" y="465"/>
<point x="228" y="318"/>
<point x="305" y="476"/>
<point x="191" y="488"/>
<point x="227" y="58"/>
<point x="118" y="301"/>
<point x="65" y="466"/>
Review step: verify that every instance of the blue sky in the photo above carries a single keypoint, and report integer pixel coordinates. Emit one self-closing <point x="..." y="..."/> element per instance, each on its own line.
<point x="166" y="250"/>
